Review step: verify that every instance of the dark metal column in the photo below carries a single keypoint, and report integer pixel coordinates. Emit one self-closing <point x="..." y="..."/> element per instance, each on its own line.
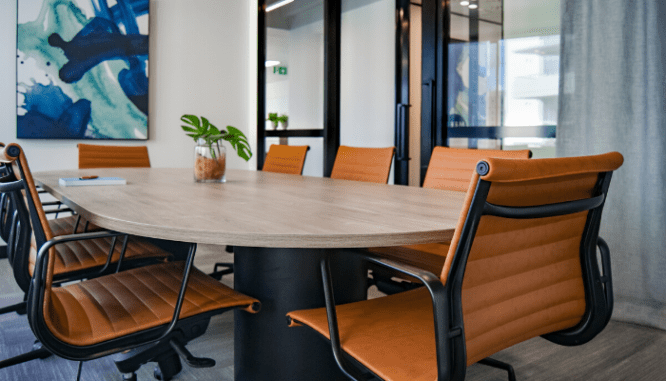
<point x="402" y="19"/>
<point x="332" y="14"/>
<point x="436" y="33"/>
<point x="260" y="152"/>
<point x="285" y="280"/>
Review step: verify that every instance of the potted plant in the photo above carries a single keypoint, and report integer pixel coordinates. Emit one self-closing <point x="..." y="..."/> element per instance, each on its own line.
<point x="284" y="121"/>
<point x="273" y="117"/>
<point x="209" y="155"/>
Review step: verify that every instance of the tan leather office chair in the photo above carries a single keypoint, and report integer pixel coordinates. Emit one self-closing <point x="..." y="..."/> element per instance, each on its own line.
<point x="285" y="159"/>
<point x="522" y="263"/>
<point x="363" y="164"/>
<point x="449" y="169"/>
<point x="165" y="304"/>
<point x="72" y="260"/>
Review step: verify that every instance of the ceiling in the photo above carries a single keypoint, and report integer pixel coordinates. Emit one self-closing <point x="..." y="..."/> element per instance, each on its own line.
<point x="302" y="12"/>
<point x="513" y="14"/>
<point x="489" y="10"/>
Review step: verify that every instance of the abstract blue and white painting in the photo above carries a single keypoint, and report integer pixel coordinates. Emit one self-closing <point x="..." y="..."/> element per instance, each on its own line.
<point x="82" y="69"/>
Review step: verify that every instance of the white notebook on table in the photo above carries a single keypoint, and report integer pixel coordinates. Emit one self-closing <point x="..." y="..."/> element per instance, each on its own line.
<point x="78" y="182"/>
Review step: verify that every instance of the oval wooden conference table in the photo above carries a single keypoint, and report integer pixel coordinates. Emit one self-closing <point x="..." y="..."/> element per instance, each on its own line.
<point x="281" y="227"/>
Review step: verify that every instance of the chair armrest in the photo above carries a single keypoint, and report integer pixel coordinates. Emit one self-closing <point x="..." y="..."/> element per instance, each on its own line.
<point x="43" y="254"/>
<point x="51" y="203"/>
<point x="11" y="186"/>
<point x="439" y="294"/>
<point x="56" y="211"/>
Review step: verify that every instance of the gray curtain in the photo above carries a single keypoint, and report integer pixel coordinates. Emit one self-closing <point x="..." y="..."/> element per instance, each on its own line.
<point x="613" y="98"/>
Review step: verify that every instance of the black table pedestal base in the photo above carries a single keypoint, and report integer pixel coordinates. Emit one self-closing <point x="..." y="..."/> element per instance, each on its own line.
<point x="285" y="280"/>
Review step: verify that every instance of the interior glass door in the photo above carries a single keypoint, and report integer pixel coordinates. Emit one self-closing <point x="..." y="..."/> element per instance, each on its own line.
<point x="294" y="79"/>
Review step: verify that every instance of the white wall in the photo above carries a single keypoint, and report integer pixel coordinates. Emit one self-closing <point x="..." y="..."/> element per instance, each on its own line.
<point x="202" y="61"/>
<point x="367" y="75"/>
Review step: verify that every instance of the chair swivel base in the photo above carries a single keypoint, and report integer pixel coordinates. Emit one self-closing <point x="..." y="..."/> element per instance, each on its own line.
<point x="228" y="268"/>
<point x="19" y="308"/>
<point x="499" y="365"/>
<point x="37" y="352"/>
<point x="221" y="269"/>
<point x="166" y="353"/>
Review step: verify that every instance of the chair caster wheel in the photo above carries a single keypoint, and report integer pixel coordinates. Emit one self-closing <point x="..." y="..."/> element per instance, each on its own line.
<point x="129" y="377"/>
<point x="167" y="367"/>
<point x="157" y="373"/>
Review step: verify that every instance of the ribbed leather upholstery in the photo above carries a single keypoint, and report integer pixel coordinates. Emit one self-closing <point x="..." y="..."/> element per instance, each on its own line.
<point x="523" y="277"/>
<point x="92" y="253"/>
<point x="102" y="156"/>
<point x="393" y="336"/>
<point x="113" y="306"/>
<point x="65" y="225"/>
<point x="449" y="169"/>
<point x="285" y="159"/>
<point x="363" y="164"/>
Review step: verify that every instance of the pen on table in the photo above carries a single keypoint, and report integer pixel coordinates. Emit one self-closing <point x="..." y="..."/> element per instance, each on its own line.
<point x="88" y="177"/>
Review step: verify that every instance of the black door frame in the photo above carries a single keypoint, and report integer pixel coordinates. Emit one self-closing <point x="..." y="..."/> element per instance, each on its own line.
<point x="331" y="123"/>
<point x="435" y="33"/>
<point x="403" y="25"/>
<point x="261" y="84"/>
<point x="332" y="25"/>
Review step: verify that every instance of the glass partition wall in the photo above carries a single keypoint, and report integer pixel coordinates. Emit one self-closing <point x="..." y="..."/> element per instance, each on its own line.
<point x="294" y="77"/>
<point x="333" y="68"/>
<point x="503" y="75"/>
<point x="488" y="77"/>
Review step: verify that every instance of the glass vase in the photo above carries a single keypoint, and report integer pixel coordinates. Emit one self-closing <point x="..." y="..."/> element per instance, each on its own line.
<point x="209" y="163"/>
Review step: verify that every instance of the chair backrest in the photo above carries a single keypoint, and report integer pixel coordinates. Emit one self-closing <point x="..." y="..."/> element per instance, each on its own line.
<point x="19" y="239"/>
<point x="102" y="156"/>
<point x="363" y="164"/>
<point x="285" y="159"/>
<point x="523" y="260"/>
<point x="451" y="168"/>
<point x="5" y="204"/>
<point x="13" y="154"/>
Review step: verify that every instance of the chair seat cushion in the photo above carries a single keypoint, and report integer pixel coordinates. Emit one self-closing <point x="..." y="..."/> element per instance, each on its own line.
<point x="119" y="304"/>
<point x="65" y="225"/>
<point x="394" y="337"/>
<point x="429" y="256"/>
<point x="93" y="253"/>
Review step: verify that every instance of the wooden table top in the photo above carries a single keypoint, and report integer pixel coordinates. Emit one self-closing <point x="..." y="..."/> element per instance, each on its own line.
<point x="259" y="209"/>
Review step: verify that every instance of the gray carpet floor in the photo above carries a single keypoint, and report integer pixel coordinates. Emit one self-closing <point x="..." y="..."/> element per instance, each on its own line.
<point x="622" y="352"/>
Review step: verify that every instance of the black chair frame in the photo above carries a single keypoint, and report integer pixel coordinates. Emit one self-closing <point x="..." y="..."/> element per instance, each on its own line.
<point x="165" y="340"/>
<point x="447" y="299"/>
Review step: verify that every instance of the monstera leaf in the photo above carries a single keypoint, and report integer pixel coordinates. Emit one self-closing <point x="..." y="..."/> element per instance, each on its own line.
<point x="200" y="128"/>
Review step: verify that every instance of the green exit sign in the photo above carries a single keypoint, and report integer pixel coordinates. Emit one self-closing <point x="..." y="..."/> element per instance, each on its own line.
<point x="280" y="70"/>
